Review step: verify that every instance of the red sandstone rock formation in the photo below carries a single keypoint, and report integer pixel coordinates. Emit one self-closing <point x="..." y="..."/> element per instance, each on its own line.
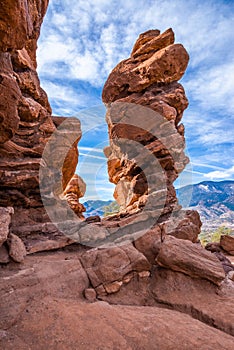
<point x="148" y="78"/>
<point x="26" y="123"/>
<point x="74" y="190"/>
<point x="43" y="301"/>
<point x="145" y="104"/>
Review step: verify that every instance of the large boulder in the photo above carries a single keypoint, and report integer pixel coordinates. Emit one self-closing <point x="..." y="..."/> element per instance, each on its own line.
<point x="162" y="62"/>
<point x="111" y="265"/>
<point x="227" y="243"/>
<point x="191" y="259"/>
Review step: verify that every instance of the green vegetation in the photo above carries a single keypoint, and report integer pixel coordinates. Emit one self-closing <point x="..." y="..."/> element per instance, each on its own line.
<point x="208" y="236"/>
<point x="111" y="209"/>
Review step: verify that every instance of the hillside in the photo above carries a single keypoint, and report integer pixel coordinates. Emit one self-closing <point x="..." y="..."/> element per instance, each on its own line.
<point x="208" y="193"/>
<point x="213" y="200"/>
<point x="96" y="207"/>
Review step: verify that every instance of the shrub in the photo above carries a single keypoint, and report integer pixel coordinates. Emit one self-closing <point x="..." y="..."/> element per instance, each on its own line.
<point x="207" y="236"/>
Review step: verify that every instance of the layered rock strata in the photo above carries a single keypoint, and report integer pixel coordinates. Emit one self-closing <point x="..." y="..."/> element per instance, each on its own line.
<point x="26" y="123"/>
<point x="148" y="78"/>
<point x="145" y="105"/>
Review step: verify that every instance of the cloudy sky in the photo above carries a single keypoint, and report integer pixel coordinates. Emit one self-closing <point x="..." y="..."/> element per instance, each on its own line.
<point x="82" y="41"/>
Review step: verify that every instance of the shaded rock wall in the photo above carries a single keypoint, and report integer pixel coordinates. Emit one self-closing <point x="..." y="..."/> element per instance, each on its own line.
<point x="26" y="123"/>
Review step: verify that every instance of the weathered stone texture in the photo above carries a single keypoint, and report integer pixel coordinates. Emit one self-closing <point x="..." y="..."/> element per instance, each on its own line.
<point x="26" y="123"/>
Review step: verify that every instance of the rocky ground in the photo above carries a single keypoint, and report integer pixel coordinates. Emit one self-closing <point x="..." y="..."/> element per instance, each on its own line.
<point x="43" y="307"/>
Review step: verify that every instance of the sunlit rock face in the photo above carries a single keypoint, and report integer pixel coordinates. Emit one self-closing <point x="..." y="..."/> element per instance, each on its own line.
<point x="147" y="79"/>
<point x="26" y="123"/>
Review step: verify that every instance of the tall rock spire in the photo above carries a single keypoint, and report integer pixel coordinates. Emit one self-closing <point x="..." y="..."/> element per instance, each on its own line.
<point x="147" y="79"/>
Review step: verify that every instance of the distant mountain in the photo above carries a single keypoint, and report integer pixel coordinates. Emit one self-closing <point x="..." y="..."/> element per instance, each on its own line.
<point x="213" y="200"/>
<point x="208" y="193"/>
<point x="96" y="207"/>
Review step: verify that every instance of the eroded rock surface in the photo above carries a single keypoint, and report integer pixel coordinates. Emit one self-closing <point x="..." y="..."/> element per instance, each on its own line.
<point x="5" y="215"/>
<point x="108" y="268"/>
<point x="145" y="105"/>
<point x="158" y="60"/>
<point x="17" y="250"/>
<point x="26" y="123"/>
<point x="45" y="296"/>
<point x="191" y="259"/>
<point x="103" y="326"/>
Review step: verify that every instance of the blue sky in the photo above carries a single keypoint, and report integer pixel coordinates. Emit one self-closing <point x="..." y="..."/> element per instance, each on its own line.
<point x="82" y="41"/>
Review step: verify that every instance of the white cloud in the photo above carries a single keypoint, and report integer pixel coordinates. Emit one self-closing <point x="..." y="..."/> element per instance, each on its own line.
<point x="216" y="159"/>
<point x="213" y="87"/>
<point x="54" y="49"/>
<point x="216" y="136"/>
<point x="205" y="165"/>
<point x="65" y="99"/>
<point x="91" y="37"/>
<point x="91" y="156"/>
<point x="60" y="92"/>
<point x="91" y="149"/>
<point x="225" y="174"/>
<point x="71" y="100"/>
<point x="84" y="67"/>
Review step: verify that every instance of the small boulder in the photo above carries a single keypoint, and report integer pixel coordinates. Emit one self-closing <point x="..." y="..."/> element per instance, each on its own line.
<point x="213" y="247"/>
<point x="91" y="233"/>
<point x="226" y="263"/>
<point x="227" y="243"/>
<point x="92" y="219"/>
<point x="5" y="220"/>
<point x="231" y="275"/>
<point x="113" y="287"/>
<point x="17" y="250"/>
<point x="150" y="243"/>
<point x="90" y="294"/>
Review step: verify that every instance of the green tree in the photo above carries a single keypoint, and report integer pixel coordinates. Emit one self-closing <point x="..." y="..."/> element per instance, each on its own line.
<point x="111" y="209"/>
<point x="222" y="230"/>
<point x="209" y="236"/>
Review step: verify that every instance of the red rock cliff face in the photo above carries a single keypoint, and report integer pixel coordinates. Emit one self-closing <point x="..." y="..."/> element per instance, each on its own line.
<point x="26" y="122"/>
<point x="20" y="23"/>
